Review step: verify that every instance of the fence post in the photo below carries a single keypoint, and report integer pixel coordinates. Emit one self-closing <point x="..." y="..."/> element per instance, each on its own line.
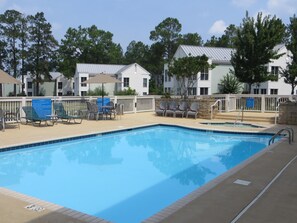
<point x="135" y="104"/>
<point x="115" y="100"/>
<point x="227" y="102"/>
<point x="23" y="103"/>
<point x="262" y="103"/>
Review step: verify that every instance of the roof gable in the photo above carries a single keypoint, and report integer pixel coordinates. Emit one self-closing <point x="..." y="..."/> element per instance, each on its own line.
<point x="136" y="67"/>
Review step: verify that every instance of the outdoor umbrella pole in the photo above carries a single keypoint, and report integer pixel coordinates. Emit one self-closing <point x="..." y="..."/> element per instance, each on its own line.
<point x="102" y="93"/>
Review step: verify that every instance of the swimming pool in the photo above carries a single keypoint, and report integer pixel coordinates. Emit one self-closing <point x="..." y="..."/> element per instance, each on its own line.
<point x="125" y="176"/>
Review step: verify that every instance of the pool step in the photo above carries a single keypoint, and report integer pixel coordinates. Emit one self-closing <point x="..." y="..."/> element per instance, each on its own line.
<point x="247" y="116"/>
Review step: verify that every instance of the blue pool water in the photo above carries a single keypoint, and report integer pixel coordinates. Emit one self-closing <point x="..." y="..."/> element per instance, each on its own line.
<point x="126" y="176"/>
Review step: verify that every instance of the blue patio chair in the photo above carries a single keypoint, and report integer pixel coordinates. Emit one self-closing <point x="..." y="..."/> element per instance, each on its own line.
<point x="31" y="116"/>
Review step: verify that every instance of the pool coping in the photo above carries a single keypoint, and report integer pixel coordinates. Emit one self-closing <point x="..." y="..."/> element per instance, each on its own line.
<point x="167" y="211"/>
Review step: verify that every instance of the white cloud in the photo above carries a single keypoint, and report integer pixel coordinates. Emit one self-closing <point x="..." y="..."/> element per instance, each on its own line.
<point x="282" y="6"/>
<point x="218" y="27"/>
<point x="243" y="3"/>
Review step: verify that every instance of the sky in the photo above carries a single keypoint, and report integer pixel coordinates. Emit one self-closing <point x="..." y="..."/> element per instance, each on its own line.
<point x="130" y="20"/>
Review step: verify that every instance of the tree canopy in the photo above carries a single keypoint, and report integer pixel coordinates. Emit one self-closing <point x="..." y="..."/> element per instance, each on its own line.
<point x="290" y="73"/>
<point x="254" y="48"/>
<point x="186" y="69"/>
<point x="226" y="40"/>
<point x="87" y="45"/>
<point x="42" y="50"/>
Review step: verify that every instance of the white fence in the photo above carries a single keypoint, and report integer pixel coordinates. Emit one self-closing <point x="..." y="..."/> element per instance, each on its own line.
<point x="262" y="103"/>
<point x="133" y="104"/>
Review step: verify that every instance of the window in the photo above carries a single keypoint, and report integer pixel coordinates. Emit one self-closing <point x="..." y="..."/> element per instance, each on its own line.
<point x="273" y="91"/>
<point x="167" y="90"/>
<point x="144" y="82"/>
<point x="83" y="93"/>
<point x="60" y="94"/>
<point x="256" y="91"/>
<point x="275" y="71"/>
<point x="144" y="93"/>
<point x="29" y="93"/>
<point x="204" y="75"/>
<point x="192" y="91"/>
<point x="30" y="85"/>
<point x="126" y="81"/>
<point x="263" y="91"/>
<point x="204" y="91"/>
<point x="82" y="79"/>
<point x="167" y="77"/>
<point x="60" y="85"/>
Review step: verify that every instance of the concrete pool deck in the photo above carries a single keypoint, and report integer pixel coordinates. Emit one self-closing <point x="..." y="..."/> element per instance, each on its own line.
<point x="222" y="201"/>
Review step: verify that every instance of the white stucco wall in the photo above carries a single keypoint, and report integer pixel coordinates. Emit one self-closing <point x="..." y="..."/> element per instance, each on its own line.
<point x="217" y="74"/>
<point x="135" y="73"/>
<point x="283" y="88"/>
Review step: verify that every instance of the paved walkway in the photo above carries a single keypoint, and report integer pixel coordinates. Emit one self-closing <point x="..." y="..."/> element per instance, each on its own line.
<point x="222" y="201"/>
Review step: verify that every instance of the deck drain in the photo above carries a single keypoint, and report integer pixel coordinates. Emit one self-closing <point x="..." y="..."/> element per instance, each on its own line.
<point x="34" y="207"/>
<point x="242" y="182"/>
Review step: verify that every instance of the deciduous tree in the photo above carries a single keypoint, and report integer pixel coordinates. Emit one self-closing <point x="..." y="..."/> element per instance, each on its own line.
<point x="254" y="48"/>
<point x="290" y="73"/>
<point x="87" y="45"/>
<point x="185" y="70"/>
<point x="137" y="52"/>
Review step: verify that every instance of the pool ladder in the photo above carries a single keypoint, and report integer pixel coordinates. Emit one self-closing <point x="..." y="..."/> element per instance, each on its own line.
<point x="290" y="133"/>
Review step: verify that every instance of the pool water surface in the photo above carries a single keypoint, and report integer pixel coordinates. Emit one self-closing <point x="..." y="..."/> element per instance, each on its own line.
<point x="126" y="176"/>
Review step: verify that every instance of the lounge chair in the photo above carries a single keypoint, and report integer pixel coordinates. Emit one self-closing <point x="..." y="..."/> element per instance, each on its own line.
<point x="62" y="114"/>
<point x="173" y="106"/>
<point x="93" y="110"/>
<point x="193" y="110"/>
<point x="162" y="108"/>
<point x="182" y="109"/>
<point x="31" y="116"/>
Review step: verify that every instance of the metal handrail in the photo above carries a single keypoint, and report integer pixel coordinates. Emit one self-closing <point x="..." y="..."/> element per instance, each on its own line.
<point x="219" y="102"/>
<point x="237" y="117"/>
<point x="290" y="132"/>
